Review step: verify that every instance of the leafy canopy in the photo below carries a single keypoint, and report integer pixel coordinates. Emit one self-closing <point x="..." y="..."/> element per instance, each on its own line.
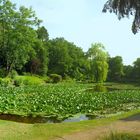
<point x="17" y="34"/>
<point x="98" y="58"/>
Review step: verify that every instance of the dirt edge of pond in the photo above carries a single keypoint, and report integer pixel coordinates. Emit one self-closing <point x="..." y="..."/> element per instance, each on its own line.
<point x="128" y="125"/>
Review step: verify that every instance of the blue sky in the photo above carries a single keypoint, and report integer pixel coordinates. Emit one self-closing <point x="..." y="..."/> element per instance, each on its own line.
<point x="82" y="22"/>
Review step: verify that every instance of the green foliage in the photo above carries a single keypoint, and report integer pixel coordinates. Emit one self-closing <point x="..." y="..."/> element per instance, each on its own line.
<point x="100" y="88"/>
<point x="17" y="34"/>
<point x="13" y="74"/>
<point x="18" y="82"/>
<point x="5" y="82"/>
<point x="65" y="99"/>
<point x="115" y="69"/>
<point x="38" y="63"/>
<point x="129" y="73"/>
<point x="125" y="8"/>
<point x="43" y="34"/>
<point x="59" y="60"/>
<point x="25" y="48"/>
<point x="46" y="79"/>
<point x="55" y="78"/>
<point x="98" y="60"/>
<point x="136" y="69"/>
<point x="65" y="58"/>
<point x="122" y="136"/>
<point x="28" y="80"/>
<point x="68" y="79"/>
<point x="3" y="72"/>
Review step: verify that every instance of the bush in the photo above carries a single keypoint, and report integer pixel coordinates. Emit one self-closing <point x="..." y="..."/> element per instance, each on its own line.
<point x="68" y="79"/>
<point x="46" y="79"/>
<point x="3" y="73"/>
<point x="13" y="74"/>
<point x="28" y="80"/>
<point x="18" y="82"/>
<point x="26" y="74"/>
<point x="5" y="82"/>
<point x="55" y="78"/>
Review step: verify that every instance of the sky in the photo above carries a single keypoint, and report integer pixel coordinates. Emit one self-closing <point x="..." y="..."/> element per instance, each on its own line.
<point x="83" y="23"/>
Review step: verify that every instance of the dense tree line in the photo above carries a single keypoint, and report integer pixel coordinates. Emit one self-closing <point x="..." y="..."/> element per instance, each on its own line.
<point x="25" y="47"/>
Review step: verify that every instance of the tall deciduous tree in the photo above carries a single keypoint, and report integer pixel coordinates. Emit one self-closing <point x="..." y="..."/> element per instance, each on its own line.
<point x="98" y="58"/>
<point x="129" y="74"/>
<point x="17" y="34"/>
<point x="124" y="8"/>
<point x="59" y="60"/>
<point x="136" y="70"/>
<point x="38" y="63"/>
<point x="66" y="59"/>
<point x="115" y="68"/>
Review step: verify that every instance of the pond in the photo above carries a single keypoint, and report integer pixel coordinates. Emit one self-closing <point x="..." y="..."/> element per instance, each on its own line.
<point x="106" y="88"/>
<point x="33" y="120"/>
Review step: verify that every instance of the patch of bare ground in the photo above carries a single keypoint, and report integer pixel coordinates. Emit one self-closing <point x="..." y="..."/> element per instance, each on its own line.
<point x="128" y="125"/>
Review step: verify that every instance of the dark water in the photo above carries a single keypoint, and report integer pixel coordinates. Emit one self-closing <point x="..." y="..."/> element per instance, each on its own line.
<point x="103" y="88"/>
<point x="33" y="120"/>
<point x="27" y="119"/>
<point x="135" y="117"/>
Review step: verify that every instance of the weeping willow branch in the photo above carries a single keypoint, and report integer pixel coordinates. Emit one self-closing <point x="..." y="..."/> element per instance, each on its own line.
<point x="125" y="8"/>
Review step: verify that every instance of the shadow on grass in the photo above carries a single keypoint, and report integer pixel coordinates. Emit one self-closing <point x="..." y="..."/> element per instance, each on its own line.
<point x="135" y="117"/>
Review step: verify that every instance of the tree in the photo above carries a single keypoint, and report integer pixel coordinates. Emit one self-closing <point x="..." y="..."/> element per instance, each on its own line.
<point x="115" y="69"/>
<point x="17" y="34"/>
<point x="125" y="8"/>
<point x="38" y="63"/>
<point x="136" y="70"/>
<point x="78" y="66"/>
<point x="66" y="59"/>
<point x="59" y="60"/>
<point x="128" y="73"/>
<point x="43" y="34"/>
<point x="98" y="58"/>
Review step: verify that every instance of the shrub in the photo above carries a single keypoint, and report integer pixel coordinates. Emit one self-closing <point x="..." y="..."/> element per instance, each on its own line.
<point x="18" y="82"/>
<point x="26" y="74"/>
<point x="46" y="79"/>
<point x="5" y="82"/>
<point x="68" y="79"/>
<point x="28" y="80"/>
<point x="13" y="74"/>
<point x="3" y="73"/>
<point x="55" y="78"/>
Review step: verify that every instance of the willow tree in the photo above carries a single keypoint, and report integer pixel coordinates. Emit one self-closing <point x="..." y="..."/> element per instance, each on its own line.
<point x="125" y="8"/>
<point x="98" y="58"/>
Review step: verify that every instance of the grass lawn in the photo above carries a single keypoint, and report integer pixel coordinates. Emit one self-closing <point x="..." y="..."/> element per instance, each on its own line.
<point x="122" y="136"/>
<point x="20" y="131"/>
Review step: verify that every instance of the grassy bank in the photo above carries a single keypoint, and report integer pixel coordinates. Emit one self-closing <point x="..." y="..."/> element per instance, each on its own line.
<point x="122" y="136"/>
<point x="19" y="131"/>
